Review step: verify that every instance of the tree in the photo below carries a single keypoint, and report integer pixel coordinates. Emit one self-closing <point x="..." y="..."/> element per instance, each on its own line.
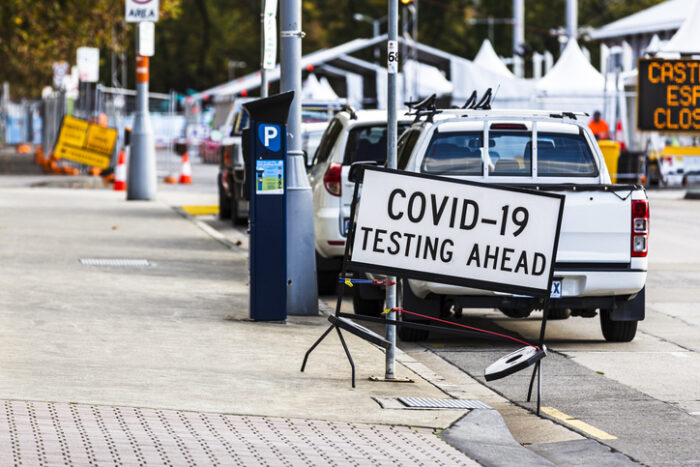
<point x="35" y="33"/>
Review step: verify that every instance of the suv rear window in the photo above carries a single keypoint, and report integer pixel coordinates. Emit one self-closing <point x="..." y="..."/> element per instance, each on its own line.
<point x="564" y="155"/>
<point x="327" y="142"/>
<point x="368" y="143"/>
<point x="454" y="153"/>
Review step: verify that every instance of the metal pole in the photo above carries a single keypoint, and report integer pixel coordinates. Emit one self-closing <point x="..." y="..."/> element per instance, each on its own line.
<point x="375" y="33"/>
<point x="414" y="55"/>
<point x="171" y="137"/>
<point x="518" y="36"/>
<point x="391" y="130"/>
<point x="302" y="294"/>
<point x="263" y="70"/>
<point x="571" y="18"/>
<point x="141" y="175"/>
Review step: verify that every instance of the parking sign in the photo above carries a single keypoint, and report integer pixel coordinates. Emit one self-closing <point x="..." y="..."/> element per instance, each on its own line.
<point x="141" y="10"/>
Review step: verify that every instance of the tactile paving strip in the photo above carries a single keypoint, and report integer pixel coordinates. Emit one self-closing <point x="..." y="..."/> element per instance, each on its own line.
<point x="133" y="263"/>
<point x="58" y="434"/>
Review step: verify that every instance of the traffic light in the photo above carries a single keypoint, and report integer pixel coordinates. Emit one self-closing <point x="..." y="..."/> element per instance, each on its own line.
<point x="406" y="2"/>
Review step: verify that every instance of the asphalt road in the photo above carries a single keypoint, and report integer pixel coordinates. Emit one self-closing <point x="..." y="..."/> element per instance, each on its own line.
<point x="636" y="403"/>
<point x="640" y="398"/>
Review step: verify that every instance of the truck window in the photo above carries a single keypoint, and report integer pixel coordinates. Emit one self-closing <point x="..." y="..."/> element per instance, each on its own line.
<point x="564" y="155"/>
<point x="368" y="143"/>
<point x="404" y="148"/>
<point x="510" y="153"/>
<point x="327" y="142"/>
<point x="454" y="153"/>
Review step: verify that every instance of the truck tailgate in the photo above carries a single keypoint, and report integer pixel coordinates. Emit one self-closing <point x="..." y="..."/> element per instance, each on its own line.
<point x="596" y="228"/>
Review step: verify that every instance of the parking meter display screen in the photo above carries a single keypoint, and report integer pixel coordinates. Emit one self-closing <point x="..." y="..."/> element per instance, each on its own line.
<point x="462" y="233"/>
<point x="669" y="95"/>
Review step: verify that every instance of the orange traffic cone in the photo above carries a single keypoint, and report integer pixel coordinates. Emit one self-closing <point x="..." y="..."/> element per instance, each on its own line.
<point x="120" y="173"/>
<point x="186" y="170"/>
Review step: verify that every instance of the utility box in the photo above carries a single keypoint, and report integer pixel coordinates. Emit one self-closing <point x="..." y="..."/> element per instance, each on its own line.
<point x="265" y="152"/>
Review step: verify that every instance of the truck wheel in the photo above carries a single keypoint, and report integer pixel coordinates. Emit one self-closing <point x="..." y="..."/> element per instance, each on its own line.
<point x="515" y="312"/>
<point x="559" y="313"/>
<point x="366" y="307"/>
<point x="327" y="282"/>
<point x="407" y="334"/>
<point x="617" y="331"/>
<point x="224" y="203"/>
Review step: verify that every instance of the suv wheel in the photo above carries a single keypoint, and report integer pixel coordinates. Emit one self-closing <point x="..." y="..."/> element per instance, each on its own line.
<point x="224" y="202"/>
<point x="237" y="219"/>
<point x="366" y="307"/>
<point x="407" y="334"/>
<point x="617" y="331"/>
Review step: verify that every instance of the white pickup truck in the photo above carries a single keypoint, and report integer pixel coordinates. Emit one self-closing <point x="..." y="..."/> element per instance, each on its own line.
<point x="601" y="263"/>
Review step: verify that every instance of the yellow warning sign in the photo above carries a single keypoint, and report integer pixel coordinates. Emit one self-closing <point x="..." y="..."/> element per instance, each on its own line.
<point x="85" y="143"/>
<point x="73" y="131"/>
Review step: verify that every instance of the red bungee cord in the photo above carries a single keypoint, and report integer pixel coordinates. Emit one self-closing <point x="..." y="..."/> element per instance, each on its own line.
<point x="401" y="310"/>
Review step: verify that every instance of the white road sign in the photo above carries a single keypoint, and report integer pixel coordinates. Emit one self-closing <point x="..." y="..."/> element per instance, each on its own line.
<point x="450" y="231"/>
<point x="60" y="71"/>
<point x="88" y="64"/>
<point x="141" y="10"/>
<point x="270" y="34"/>
<point x="145" y="45"/>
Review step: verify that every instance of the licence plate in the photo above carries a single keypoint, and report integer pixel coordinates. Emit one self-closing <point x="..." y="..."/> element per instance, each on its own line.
<point x="556" y="289"/>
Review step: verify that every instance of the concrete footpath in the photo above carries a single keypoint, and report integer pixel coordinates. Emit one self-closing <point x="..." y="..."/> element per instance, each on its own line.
<point x="158" y="364"/>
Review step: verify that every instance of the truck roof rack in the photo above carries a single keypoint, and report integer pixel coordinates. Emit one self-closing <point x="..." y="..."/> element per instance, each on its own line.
<point x="424" y="108"/>
<point x="525" y="113"/>
<point x="484" y="103"/>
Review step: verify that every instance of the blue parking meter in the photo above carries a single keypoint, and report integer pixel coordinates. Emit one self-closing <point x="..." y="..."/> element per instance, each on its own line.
<point x="265" y="152"/>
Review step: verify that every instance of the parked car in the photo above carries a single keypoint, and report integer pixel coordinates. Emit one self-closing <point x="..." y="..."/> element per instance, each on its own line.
<point x="351" y="136"/>
<point x="233" y="199"/>
<point x="601" y="263"/>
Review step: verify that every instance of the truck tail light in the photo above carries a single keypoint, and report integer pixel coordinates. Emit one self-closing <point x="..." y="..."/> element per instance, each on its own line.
<point x="331" y="179"/>
<point x="640" y="228"/>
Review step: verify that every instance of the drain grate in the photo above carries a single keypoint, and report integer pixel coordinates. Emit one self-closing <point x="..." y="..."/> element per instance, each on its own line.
<point x="133" y="263"/>
<point x="432" y="403"/>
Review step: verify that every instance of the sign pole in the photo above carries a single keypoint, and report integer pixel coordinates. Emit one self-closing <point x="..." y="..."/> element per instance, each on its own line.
<point x="141" y="177"/>
<point x="302" y="296"/>
<point x="392" y="129"/>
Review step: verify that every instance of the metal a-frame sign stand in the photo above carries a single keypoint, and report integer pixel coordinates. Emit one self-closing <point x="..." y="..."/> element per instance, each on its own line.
<point x="507" y="365"/>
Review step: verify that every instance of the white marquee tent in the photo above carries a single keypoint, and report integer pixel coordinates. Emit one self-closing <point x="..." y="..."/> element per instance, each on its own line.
<point x="573" y="84"/>
<point x="687" y="39"/>
<point x="487" y="58"/>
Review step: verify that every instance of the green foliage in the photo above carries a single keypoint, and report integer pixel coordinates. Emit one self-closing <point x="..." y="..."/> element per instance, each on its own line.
<point x="196" y="39"/>
<point x="35" y="33"/>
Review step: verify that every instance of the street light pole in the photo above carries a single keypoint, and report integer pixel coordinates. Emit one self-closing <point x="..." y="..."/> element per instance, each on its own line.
<point x="518" y="36"/>
<point x="376" y="24"/>
<point x="263" y="70"/>
<point x="302" y="292"/>
<point x="391" y="130"/>
<point x="141" y="176"/>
